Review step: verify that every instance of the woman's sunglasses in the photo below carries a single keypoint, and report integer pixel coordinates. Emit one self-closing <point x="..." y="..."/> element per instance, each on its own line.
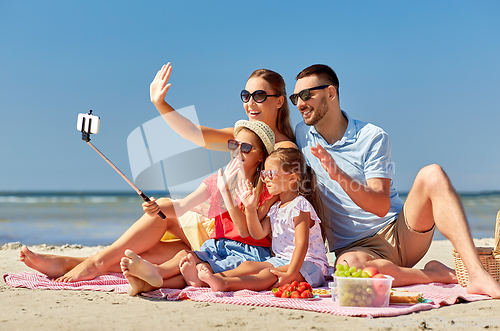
<point x="305" y="94"/>
<point x="271" y="174"/>
<point x="245" y="148"/>
<point x="258" y="96"/>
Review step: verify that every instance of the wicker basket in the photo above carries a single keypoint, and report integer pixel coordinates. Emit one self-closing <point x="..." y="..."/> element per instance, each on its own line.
<point x="489" y="257"/>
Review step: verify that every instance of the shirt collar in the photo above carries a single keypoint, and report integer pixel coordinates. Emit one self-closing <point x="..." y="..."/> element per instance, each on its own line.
<point x="349" y="134"/>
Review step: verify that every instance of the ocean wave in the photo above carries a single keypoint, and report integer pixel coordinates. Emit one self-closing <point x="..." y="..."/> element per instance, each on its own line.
<point x="62" y="199"/>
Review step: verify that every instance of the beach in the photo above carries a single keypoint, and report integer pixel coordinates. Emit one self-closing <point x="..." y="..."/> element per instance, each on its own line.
<point x="23" y="309"/>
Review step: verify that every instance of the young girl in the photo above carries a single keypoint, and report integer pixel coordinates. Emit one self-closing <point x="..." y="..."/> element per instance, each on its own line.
<point x="230" y="243"/>
<point x="297" y="241"/>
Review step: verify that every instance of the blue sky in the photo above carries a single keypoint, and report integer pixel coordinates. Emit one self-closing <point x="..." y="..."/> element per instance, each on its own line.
<point x="425" y="71"/>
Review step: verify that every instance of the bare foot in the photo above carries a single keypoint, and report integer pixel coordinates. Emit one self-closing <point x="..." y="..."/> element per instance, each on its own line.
<point x="87" y="270"/>
<point x="187" y="265"/>
<point x="51" y="265"/>
<point x="140" y="268"/>
<point x="481" y="282"/>
<point x="215" y="282"/>
<point x="440" y="273"/>
<point x="136" y="285"/>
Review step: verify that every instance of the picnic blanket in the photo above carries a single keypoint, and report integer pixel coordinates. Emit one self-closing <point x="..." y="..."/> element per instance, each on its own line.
<point x="440" y="294"/>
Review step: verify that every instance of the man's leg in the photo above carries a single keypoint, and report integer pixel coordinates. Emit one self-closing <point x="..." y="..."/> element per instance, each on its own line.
<point x="433" y="271"/>
<point x="433" y="200"/>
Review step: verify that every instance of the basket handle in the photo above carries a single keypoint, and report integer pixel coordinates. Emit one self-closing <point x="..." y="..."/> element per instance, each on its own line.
<point x="497" y="234"/>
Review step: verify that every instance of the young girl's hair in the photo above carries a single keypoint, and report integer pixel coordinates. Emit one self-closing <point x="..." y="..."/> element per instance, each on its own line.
<point x="255" y="180"/>
<point x="266" y="141"/>
<point x="293" y="161"/>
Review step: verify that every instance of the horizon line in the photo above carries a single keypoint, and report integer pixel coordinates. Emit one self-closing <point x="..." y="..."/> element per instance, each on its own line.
<point x="128" y="193"/>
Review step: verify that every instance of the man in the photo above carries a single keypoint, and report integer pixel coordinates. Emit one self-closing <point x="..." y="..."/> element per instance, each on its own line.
<point x="370" y="225"/>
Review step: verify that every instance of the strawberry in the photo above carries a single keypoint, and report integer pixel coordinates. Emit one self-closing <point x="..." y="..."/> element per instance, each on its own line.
<point x="286" y="294"/>
<point x="278" y="293"/>
<point x="294" y="283"/>
<point x="306" y="294"/>
<point x="307" y="285"/>
<point x="301" y="288"/>
<point x="295" y="295"/>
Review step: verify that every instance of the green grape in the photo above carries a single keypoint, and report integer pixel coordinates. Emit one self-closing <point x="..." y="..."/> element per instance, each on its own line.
<point x="352" y="270"/>
<point x="339" y="267"/>
<point x="347" y="273"/>
<point x="368" y="302"/>
<point x="356" y="274"/>
<point x="364" y="274"/>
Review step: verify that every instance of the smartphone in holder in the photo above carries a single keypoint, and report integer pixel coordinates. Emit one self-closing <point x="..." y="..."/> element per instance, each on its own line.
<point x="89" y="124"/>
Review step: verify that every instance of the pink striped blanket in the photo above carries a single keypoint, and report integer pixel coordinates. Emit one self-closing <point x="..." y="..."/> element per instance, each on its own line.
<point x="440" y="294"/>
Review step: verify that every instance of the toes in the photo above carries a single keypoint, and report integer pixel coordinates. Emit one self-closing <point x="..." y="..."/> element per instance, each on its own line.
<point x="190" y="257"/>
<point x="131" y="254"/>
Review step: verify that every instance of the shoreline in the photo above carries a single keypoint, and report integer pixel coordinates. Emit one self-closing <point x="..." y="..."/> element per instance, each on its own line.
<point x="83" y="310"/>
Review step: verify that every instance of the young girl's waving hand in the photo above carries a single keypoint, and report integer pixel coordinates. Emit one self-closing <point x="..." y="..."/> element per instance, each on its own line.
<point x="294" y="223"/>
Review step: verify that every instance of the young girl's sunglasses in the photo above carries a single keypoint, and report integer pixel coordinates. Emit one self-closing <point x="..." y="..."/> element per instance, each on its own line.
<point x="259" y="96"/>
<point x="305" y="94"/>
<point x="245" y="148"/>
<point x="271" y="174"/>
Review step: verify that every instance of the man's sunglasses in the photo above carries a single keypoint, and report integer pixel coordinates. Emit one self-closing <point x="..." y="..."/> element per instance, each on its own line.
<point x="271" y="174"/>
<point x="258" y="96"/>
<point x="305" y="94"/>
<point x="245" y="148"/>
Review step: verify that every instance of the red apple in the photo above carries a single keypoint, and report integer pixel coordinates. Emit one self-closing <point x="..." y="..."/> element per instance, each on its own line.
<point x="380" y="284"/>
<point x="371" y="271"/>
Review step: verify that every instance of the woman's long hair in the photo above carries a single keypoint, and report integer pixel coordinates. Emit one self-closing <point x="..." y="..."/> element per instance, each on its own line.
<point x="293" y="161"/>
<point x="283" y="121"/>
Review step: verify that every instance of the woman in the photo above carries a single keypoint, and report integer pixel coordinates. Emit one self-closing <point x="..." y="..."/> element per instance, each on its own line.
<point x="264" y="98"/>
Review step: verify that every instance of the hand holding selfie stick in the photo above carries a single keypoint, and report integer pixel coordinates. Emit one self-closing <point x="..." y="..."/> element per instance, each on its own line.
<point x="88" y="124"/>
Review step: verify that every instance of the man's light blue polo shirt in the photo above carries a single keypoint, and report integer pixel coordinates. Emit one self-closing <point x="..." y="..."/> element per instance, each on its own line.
<point x="364" y="152"/>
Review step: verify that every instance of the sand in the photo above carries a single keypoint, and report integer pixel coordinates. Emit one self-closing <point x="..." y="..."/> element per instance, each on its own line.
<point x="25" y="309"/>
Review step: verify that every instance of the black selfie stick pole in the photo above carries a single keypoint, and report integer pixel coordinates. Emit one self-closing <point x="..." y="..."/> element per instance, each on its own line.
<point x="86" y="137"/>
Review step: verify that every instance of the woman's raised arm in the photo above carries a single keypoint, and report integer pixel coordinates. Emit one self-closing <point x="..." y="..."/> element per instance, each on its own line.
<point x="203" y="136"/>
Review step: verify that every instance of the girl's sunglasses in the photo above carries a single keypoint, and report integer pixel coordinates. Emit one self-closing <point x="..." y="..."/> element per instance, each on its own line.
<point x="259" y="96"/>
<point x="245" y="148"/>
<point x="271" y="174"/>
<point x="305" y="94"/>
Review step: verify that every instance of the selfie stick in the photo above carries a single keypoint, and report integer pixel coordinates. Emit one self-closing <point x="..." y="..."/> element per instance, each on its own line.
<point x="86" y="138"/>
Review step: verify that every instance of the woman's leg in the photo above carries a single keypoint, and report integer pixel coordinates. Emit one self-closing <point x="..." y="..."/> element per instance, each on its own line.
<point x="142" y="237"/>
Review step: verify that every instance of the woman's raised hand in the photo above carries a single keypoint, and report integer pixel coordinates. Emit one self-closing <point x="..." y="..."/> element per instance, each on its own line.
<point x="247" y="194"/>
<point x="151" y="207"/>
<point x="159" y="87"/>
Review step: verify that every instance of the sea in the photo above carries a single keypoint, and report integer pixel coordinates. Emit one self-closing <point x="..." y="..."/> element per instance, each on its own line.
<point x="99" y="218"/>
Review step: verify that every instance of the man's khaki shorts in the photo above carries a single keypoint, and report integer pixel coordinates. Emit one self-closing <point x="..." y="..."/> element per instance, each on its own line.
<point x="396" y="242"/>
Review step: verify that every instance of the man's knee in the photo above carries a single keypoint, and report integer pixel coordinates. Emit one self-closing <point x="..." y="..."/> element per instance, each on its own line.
<point x="432" y="177"/>
<point x="357" y="259"/>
